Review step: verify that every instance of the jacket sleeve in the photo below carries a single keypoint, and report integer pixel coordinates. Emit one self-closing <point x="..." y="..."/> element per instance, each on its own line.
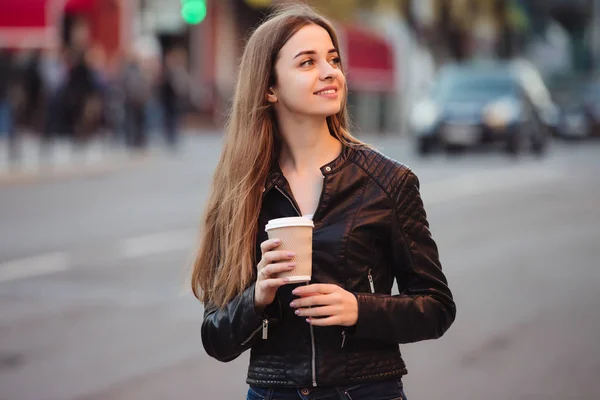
<point x="228" y="332"/>
<point x="424" y="308"/>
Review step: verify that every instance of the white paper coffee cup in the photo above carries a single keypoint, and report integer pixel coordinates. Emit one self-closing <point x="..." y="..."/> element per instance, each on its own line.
<point x="296" y="235"/>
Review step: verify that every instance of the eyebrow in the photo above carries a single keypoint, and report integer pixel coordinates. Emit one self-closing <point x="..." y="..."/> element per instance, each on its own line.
<point x="313" y="52"/>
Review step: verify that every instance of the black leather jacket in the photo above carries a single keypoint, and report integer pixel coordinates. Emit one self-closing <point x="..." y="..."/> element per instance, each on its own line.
<point x="370" y="227"/>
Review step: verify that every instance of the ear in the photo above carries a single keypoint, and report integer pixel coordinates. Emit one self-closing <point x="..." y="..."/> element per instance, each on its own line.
<point x="271" y="96"/>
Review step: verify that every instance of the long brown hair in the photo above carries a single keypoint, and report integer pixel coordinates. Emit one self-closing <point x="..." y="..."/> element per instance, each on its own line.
<point x="224" y="265"/>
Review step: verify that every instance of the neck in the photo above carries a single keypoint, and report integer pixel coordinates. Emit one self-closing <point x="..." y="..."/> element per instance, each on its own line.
<point x="307" y="146"/>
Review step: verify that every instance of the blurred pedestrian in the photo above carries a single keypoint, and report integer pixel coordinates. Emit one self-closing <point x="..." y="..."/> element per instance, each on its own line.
<point x="28" y="103"/>
<point x="93" y="118"/>
<point x="6" y="81"/>
<point x="115" y="102"/>
<point x="288" y="153"/>
<point x="137" y="94"/>
<point x="54" y="77"/>
<point x="81" y="112"/>
<point x="173" y="88"/>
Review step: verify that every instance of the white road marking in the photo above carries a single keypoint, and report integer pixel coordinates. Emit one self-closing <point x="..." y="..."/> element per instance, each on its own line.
<point x="486" y="182"/>
<point x="34" y="266"/>
<point x="157" y="243"/>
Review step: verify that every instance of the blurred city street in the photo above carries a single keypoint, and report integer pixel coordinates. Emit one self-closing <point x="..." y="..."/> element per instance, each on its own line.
<point x="94" y="302"/>
<point x="111" y="121"/>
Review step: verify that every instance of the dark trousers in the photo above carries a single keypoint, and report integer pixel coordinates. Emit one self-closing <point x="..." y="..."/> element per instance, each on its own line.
<point x="171" y="127"/>
<point x="6" y="124"/>
<point x="384" y="390"/>
<point x="135" y="130"/>
<point x="7" y="128"/>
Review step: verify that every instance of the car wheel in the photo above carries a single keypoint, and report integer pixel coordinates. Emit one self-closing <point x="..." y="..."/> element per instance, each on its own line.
<point x="593" y="127"/>
<point x="539" y="141"/>
<point x="424" y="146"/>
<point x="515" y="143"/>
<point x="454" y="149"/>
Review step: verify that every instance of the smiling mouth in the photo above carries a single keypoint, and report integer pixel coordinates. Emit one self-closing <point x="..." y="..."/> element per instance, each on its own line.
<point x="328" y="91"/>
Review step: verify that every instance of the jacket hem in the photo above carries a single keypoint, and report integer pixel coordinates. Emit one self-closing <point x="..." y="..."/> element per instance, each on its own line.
<point x="357" y="379"/>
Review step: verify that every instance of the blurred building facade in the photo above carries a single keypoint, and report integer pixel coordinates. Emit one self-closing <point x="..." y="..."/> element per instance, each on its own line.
<point x="47" y="24"/>
<point x="392" y="47"/>
<point x="217" y="44"/>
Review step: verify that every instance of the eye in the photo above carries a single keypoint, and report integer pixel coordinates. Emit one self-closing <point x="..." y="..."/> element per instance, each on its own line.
<point x="307" y="63"/>
<point x="335" y="61"/>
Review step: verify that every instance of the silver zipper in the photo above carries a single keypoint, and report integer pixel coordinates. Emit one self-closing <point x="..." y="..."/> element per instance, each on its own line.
<point x="371" y="284"/>
<point x="265" y="329"/>
<point x="343" y="338"/>
<point x="255" y="332"/>
<point x="290" y="200"/>
<point x="312" y="333"/>
<point x="320" y="199"/>
<point x="314" y="360"/>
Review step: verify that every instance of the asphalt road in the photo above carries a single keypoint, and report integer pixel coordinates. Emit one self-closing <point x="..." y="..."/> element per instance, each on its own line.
<point x="93" y="301"/>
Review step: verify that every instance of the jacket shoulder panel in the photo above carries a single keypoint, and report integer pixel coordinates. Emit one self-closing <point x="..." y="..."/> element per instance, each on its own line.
<point x="388" y="173"/>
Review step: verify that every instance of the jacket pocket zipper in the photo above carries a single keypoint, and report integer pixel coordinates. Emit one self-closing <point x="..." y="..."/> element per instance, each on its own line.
<point x="372" y="287"/>
<point x="265" y="332"/>
<point x="265" y="329"/>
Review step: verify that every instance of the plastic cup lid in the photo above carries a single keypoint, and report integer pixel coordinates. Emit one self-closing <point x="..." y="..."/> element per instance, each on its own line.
<point x="289" y="221"/>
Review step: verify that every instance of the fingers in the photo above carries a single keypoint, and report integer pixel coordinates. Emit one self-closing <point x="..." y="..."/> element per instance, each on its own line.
<point x="274" y="269"/>
<point x="278" y="255"/>
<point x="271" y="256"/>
<point x="269" y="245"/>
<point x="325" y="311"/>
<point x="273" y="283"/>
<point x="337" y="307"/>
<point x="316" y="300"/>
<point x="323" y="288"/>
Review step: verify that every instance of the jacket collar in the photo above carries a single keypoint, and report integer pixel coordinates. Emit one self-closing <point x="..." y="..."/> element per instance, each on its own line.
<point x="276" y="177"/>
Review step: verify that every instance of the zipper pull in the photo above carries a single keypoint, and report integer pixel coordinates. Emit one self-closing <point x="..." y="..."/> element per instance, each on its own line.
<point x="371" y="284"/>
<point x="343" y="338"/>
<point x="265" y="329"/>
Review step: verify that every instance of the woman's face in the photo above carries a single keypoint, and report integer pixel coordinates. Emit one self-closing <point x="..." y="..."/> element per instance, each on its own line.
<point x="309" y="79"/>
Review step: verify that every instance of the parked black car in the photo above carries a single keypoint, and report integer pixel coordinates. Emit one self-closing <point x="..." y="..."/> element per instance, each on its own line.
<point x="579" y="100"/>
<point x="477" y="103"/>
<point x="592" y="106"/>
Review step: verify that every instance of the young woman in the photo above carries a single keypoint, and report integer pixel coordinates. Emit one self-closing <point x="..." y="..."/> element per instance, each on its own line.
<point x="287" y="153"/>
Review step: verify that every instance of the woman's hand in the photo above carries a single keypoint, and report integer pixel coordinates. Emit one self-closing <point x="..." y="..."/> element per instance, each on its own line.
<point x="331" y="305"/>
<point x="272" y="263"/>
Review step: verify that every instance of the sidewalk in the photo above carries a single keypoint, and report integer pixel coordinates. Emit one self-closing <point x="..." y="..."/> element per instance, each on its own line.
<point x="62" y="159"/>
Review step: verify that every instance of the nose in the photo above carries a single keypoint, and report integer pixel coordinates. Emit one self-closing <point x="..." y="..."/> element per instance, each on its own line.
<point x="328" y="71"/>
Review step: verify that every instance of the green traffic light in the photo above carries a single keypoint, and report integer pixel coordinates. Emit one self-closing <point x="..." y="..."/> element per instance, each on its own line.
<point x="193" y="11"/>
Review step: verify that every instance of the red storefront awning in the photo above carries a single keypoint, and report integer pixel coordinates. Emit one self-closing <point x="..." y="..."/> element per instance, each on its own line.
<point x="28" y="23"/>
<point x="80" y="6"/>
<point x="22" y="13"/>
<point x="369" y="60"/>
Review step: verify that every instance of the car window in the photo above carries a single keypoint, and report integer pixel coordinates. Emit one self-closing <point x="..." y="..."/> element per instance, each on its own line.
<point x="592" y="92"/>
<point x="457" y="85"/>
